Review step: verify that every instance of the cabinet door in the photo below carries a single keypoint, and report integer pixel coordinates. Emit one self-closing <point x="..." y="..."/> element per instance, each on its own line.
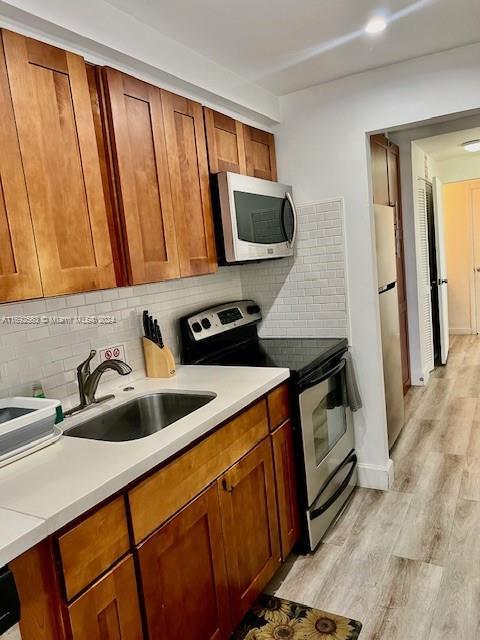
<point x="142" y="176"/>
<point x="250" y="527"/>
<point x="379" y="171"/>
<point x="19" y="271"/>
<point x="189" y="179"/>
<point x="109" y="609"/>
<point x="56" y="132"/>
<point x="260" y="153"/>
<point x="226" y="147"/>
<point x="183" y="575"/>
<point x="284" y="461"/>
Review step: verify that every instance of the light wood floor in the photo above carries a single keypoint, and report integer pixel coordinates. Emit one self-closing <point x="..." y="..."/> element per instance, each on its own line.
<point x="406" y="562"/>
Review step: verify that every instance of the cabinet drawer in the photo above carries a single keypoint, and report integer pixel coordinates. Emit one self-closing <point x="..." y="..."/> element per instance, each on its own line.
<point x="161" y="495"/>
<point x="109" y="609"/>
<point x="93" y="545"/>
<point x="278" y="406"/>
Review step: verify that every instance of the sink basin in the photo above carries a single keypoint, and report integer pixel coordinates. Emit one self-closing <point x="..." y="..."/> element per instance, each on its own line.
<point x="140" y="417"/>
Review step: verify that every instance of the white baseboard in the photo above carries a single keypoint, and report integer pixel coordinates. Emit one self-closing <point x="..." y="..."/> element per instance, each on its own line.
<point x="372" y="476"/>
<point x="461" y="331"/>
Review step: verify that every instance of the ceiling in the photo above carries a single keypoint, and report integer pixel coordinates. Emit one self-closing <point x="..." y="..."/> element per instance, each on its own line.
<point x="449" y="145"/>
<point x="286" y="45"/>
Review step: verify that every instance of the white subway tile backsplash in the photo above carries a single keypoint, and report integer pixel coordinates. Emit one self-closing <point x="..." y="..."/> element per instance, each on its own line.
<point x="49" y="352"/>
<point x="304" y="296"/>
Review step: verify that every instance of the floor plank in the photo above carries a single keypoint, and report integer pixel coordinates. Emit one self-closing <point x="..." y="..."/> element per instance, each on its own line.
<point x="406" y="604"/>
<point x="457" y="612"/>
<point x="425" y="533"/>
<point x="347" y="584"/>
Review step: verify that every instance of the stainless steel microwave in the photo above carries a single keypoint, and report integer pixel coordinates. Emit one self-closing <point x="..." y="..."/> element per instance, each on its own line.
<point x="258" y="218"/>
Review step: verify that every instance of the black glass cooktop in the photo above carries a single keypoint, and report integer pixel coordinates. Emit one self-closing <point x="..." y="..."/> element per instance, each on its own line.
<point x="300" y="355"/>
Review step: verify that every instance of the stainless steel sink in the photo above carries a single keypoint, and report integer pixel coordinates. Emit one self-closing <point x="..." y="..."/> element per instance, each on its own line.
<point x="140" y="417"/>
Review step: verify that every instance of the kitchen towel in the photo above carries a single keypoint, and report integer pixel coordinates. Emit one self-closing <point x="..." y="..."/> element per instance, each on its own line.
<point x="353" y="394"/>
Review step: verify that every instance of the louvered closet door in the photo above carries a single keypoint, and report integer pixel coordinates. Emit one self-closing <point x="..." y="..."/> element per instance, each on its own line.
<point x="423" y="278"/>
<point x="19" y="271"/>
<point x="56" y="132"/>
<point x="142" y="176"/>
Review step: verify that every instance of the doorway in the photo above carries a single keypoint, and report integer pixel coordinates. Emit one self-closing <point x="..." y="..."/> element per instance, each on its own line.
<point x="462" y="231"/>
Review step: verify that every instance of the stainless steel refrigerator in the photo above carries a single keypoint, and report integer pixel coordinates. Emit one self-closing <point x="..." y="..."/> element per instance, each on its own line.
<point x="389" y="319"/>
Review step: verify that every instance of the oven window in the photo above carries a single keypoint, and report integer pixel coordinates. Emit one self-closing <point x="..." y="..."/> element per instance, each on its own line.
<point x="263" y="219"/>
<point x="329" y="418"/>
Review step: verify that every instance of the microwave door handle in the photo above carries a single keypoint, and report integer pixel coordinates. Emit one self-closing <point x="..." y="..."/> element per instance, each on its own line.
<point x="351" y="460"/>
<point x="288" y="196"/>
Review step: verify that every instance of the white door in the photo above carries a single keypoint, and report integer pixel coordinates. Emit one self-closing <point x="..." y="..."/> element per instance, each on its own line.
<point x="441" y="268"/>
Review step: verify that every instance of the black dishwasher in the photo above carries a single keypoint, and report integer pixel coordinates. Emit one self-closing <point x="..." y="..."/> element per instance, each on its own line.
<point x="9" y="601"/>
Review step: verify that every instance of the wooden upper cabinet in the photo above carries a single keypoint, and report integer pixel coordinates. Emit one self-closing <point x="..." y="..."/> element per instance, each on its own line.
<point x="53" y="114"/>
<point x="190" y="184"/>
<point x="109" y="609"/>
<point x="260" y="153"/>
<point x="183" y="575"/>
<point x="380" y="181"/>
<point x="140" y="157"/>
<point x="19" y="270"/>
<point x="250" y="527"/>
<point x="225" y="141"/>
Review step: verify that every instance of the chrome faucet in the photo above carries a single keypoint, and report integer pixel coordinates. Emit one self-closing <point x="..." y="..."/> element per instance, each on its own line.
<point x="88" y="382"/>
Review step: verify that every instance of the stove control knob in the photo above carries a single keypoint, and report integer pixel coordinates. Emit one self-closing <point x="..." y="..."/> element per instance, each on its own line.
<point x="253" y="308"/>
<point x="196" y="327"/>
<point x="206" y="324"/>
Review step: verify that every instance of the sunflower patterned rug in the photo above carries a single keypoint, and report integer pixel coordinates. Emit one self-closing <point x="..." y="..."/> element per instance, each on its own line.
<point x="276" y="619"/>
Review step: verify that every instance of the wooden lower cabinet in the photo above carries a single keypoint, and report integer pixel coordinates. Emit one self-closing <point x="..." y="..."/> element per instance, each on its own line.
<point x="109" y="609"/>
<point x="250" y="527"/>
<point x="284" y="462"/>
<point x="193" y="569"/>
<point x="183" y="575"/>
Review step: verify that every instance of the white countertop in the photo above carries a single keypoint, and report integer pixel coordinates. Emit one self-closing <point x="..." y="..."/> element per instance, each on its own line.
<point x="18" y="532"/>
<point x="57" y="484"/>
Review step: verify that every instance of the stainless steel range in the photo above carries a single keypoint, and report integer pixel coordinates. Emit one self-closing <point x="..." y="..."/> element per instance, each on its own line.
<point x="327" y="464"/>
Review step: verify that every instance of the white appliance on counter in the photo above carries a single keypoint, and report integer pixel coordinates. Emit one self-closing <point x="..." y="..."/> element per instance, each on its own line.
<point x="257" y="218"/>
<point x="389" y="319"/>
<point x="26" y="425"/>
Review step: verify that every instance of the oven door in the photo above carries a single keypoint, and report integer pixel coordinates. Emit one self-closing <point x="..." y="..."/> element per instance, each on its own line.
<point x="326" y="425"/>
<point x="258" y="218"/>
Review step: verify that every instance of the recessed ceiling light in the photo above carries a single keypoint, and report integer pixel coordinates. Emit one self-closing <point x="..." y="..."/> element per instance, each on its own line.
<point x="472" y="146"/>
<point x="376" y="25"/>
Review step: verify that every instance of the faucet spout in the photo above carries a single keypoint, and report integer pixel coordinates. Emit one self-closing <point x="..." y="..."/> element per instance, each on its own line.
<point x="91" y="383"/>
<point x="88" y="382"/>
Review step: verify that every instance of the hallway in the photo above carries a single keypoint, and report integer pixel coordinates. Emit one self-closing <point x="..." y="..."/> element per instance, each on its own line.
<point x="406" y="562"/>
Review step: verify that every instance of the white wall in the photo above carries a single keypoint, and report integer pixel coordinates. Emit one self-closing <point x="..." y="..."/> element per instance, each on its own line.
<point x="106" y="35"/>
<point x="322" y="149"/>
<point x="466" y="167"/>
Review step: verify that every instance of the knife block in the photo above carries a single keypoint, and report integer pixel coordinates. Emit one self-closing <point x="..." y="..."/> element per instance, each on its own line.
<point x="159" y="362"/>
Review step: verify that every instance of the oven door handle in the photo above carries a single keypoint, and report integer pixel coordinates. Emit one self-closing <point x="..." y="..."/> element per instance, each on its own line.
<point x="351" y="459"/>
<point x="313" y="380"/>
